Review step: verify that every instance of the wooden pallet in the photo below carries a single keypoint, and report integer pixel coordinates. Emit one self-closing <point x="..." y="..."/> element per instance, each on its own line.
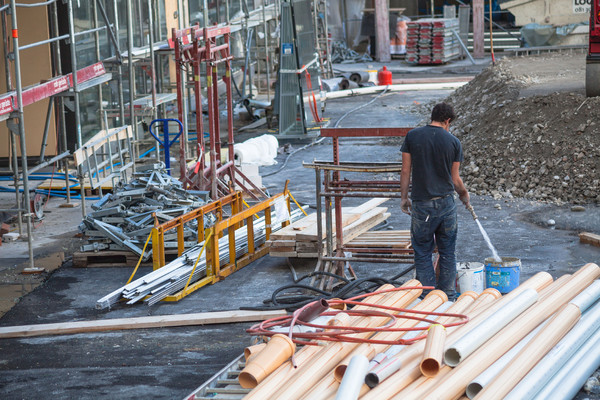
<point x="60" y="184"/>
<point x="113" y="258"/>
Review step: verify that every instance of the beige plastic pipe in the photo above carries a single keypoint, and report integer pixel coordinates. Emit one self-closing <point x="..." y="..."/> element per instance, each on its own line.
<point x="434" y="350"/>
<point x="548" y="337"/>
<point x="324" y="361"/>
<point x="417" y="389"/>
<point x="458" y="307"/>
<point x="276" y="352"/>
<point x="433" y="300"/>
<point x="454" y="383"/>
<point x="252" y="351"/>
<point x="391" y="366"/>
<point x="287" y="370"/>
<point x="410" y="371"/>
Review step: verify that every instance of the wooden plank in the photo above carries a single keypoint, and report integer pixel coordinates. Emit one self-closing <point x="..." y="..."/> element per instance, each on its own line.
<point x="365" y="224"/>
<point x="283" y="249"/>
<point x="369" y="205"/>
<point x="161" y="321"/>
<point x="309" y="224"/>
<point x="590" y="238"/>
<point x="281" y="243"/>
<point x="283" y="254"/>
<point x="310" y="235"/>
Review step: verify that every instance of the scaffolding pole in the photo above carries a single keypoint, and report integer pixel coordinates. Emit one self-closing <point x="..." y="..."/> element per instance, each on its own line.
<point x="21" y="129"/>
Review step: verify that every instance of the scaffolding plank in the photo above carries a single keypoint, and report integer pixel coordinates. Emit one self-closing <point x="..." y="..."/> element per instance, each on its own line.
<point x="161" y="321"/>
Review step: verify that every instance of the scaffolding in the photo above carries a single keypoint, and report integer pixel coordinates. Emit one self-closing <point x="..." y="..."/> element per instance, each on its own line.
<point x="125" y="63"/>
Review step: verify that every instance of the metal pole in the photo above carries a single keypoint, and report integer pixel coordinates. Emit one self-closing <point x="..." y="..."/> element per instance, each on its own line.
<point x="76" y="99"/>
<point x="13" y="142"/>
<point x="22" y="139"/>
<point x="267" y="56"/>
<point x="97" y="45"/>
<point x="152" y="61"/>
<point x="60" y="114"/>
<point x="131" y="72"/>
<point x="46" y="130"/>
<point x="119" y="66"/>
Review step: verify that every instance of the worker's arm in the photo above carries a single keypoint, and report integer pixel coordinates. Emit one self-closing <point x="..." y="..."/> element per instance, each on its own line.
<point x="459" y="186"/>
<point x="405" y="205"/>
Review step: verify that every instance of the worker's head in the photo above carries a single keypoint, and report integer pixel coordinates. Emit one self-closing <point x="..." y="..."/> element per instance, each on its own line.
<point x="443" y="113"/>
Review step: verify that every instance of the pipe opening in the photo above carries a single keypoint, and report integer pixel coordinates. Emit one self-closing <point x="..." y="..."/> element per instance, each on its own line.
<point x="430" y="367"/>
<point x="247" y="381"/>
<point x="339" y="372"/>
<point x="473" y="389"/>
<point x="371" y="380"/>
<point x="452" y="357"/>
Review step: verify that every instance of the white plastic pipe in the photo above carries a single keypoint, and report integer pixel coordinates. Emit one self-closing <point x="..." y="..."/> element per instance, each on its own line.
<point x="474" y="338"/>
<point x="353" y="378"/>
<point x="477" y="384"/>
<point x="539" y="376"/>
<point x="565" y="384"/>
<point x="394" y="88"/>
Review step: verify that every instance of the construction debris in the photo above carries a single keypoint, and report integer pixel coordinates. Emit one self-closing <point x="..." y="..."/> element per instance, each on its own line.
<point x="185" y="270"/>
<point x="124" y="219"/>
<point x="521" y="141"/>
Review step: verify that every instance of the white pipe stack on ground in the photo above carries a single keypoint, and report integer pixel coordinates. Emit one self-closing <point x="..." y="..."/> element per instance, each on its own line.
<point x="488" y="375"/>
<point x="589" y="323"/>
<point x="563" y="321"/>
<point x="470" y="342"/>
<point x="565" y="384"/>
<point x="353" y="378"/>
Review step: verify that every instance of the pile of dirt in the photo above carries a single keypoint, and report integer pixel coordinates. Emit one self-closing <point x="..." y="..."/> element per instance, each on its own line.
<point x="522" y="140"/>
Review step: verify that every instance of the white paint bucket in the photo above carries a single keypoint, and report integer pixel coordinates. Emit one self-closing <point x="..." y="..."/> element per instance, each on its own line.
<point x="470" y="276"/>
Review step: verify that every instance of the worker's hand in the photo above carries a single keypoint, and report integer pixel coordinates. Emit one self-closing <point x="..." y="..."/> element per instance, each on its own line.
<point x="406" y="206"/>
<point x="466" y="199"/>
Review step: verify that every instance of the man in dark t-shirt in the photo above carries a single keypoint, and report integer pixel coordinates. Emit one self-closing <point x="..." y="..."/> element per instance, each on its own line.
<point x="433" y="155"/>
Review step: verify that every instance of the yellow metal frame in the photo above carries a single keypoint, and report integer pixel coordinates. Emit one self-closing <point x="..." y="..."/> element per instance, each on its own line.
<point x="239" y="218"/>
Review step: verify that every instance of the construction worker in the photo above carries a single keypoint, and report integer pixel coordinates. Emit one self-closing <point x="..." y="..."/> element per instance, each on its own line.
<point x="433" y="155"/>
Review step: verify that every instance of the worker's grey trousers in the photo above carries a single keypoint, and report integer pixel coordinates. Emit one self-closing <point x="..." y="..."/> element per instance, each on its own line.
<point x="433" y="222"/>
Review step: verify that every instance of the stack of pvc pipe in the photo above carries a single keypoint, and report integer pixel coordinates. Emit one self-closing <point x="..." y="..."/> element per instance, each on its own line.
<point x="174" y="276"/>
<point x="536" y="342"/>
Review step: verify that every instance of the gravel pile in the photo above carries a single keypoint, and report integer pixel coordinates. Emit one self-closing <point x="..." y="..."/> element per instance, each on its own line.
<point x="540" y="147"/>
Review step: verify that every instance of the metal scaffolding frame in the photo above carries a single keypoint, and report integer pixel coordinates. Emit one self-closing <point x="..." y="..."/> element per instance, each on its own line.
<point x="59" y="87"/>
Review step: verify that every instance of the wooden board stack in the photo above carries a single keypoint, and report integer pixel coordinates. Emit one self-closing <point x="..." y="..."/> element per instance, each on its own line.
<point x="300" y="238"/>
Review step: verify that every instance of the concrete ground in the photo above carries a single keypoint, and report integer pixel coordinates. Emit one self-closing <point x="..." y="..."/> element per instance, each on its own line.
<point x="171" y="362"/>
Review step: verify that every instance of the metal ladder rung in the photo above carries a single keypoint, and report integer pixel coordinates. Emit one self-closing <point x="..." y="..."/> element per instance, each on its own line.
<point x="228" y="382"/>
<point x="229" y="390"/>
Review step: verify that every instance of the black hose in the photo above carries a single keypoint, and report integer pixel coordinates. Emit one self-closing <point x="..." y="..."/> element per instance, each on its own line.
<point x="347" y="290"/>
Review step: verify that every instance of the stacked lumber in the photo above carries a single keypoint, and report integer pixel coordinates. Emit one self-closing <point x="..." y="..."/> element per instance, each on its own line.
<point x="300" y="239"/>
<point x="382" y="240"/>
<point x="590" y="238"/>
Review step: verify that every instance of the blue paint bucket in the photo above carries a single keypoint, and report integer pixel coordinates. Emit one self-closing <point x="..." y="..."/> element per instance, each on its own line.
<point x="502" y="275"/>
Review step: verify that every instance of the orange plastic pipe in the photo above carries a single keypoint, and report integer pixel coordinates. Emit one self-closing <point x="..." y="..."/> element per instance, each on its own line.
<point x="323" y="362"/>
<point x="433" y="300"/>
<point x="454" y="383"/>
<point x="252" y="351"/>
<point x="285" y="372"/>
<point x="431" y="361"/>
<point x="276" y="352"/>
<point x="410" y="371"/>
